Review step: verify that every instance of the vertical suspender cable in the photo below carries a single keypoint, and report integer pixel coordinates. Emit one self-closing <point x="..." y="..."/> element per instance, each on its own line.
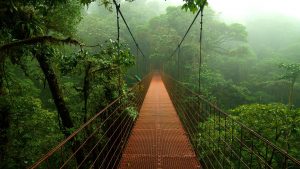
<point x="118" y="40"/>
<point x="137" y="60"/>
<point x="200" y="52"/>
<point x="145" y="65"/>
<point x="178" y="64"/>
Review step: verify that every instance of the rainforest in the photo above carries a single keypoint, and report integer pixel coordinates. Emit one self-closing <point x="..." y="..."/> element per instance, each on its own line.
<point x="90" y="83"/>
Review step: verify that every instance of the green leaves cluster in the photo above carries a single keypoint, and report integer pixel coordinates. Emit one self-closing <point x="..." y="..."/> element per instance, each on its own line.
<point x="276" y="122"/>
<point x="220" y="136"/>
<point x="194" y="5"/>
<point x="292" y="71"/>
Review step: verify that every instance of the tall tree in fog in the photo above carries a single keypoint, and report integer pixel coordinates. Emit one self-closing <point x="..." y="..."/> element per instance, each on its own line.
<point x="292" y="73"/>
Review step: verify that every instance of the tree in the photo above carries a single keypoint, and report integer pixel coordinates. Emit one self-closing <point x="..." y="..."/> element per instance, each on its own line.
<point x="292" y="72"/>
<point x="276" y="122"/>
<point x="21" y="21"/>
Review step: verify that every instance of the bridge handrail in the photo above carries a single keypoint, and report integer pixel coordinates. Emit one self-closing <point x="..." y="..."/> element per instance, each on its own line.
<point x="283" y="152"/>
<point x="70" y="137"/>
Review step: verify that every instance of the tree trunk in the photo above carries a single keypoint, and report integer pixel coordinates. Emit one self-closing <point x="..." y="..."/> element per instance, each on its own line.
<point x="2" y="88"/>
<point x="55" y="91"/>
<point x="4" y="125"/>
<point x="86" y="87"/>
<point x="291" y="93"/>
<point x="4" y="114"/>
<point x="59" y="101"/>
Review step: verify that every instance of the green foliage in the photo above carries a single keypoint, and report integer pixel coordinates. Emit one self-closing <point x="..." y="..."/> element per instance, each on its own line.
<point x="132" y="112"/>
<point x="292" y="71"/>
<point x="275" y="122"/>
<point x="85" y="89"/>
<point x="63" y="19"/>
<point x="28" y="128"/>
<point x="33" y="125"/>
<point x="194" y="5"/>
<point x="28" y="116"/>
<point x="95" y="75"/>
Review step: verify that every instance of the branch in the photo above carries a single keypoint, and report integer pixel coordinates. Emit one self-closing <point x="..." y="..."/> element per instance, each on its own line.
<point x="108" y="68"/>
<point x="40" y="39"/>
<point x="91" y="46"/>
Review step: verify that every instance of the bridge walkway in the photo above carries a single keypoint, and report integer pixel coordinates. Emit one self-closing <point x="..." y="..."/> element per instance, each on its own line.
<point x="158" y="140"/>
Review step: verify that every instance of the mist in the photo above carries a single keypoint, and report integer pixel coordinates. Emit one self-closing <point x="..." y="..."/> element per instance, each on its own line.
<point x="266" y="22"/>
<point x="243" y="10"/>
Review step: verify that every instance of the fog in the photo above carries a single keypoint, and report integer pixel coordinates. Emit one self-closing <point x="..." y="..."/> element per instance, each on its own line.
<point x="270" y="24"/>
<point x="237" y="10"/>
<point x="266" y="21"/>
<point x="242" y="10"/>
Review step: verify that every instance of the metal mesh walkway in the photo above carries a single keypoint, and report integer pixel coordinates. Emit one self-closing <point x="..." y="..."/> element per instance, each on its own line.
<point x="158" y="140"/>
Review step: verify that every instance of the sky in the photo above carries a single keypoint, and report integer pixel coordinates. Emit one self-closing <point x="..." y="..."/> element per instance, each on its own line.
<point x="241" y="10"/>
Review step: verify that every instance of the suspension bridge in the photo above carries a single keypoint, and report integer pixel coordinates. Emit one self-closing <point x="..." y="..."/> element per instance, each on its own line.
<point x="175" y="128"/>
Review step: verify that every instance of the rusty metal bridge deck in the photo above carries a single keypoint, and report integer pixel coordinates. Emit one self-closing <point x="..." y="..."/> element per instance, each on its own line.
<point x="158" y="140"/>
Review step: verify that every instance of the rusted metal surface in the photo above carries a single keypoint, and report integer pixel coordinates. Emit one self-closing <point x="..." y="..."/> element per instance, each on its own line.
<point x="158" y="140"/>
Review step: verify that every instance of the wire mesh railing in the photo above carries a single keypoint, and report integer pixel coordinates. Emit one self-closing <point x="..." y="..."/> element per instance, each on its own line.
<point x="99" y="142"/>
<point x="219" y="140"/>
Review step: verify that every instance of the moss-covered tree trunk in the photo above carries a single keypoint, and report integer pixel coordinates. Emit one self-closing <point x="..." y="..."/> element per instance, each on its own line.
<point x="55" y="90"/>
<point x="2" y="90"/>
<point x="59" y="101"/>
<point x="4" y="125"/>
<point x="4" y="114"/>
<point x="86" y="88"/>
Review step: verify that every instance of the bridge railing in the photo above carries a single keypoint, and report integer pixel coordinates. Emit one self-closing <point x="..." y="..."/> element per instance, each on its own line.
<point x="99" y="142"/>
<point x="219" y="140"/>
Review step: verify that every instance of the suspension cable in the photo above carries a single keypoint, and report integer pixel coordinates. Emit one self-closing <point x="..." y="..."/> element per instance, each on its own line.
<point x="178" y="64"/>
<point x="119" y="12"/>
<point x="200" y="11"/>
<point x="118" y="41"/>
<point x="144" y="65"/>
<point x="186" y="33"/>
<point x="128" y="28"/>
<point x="137" y="61"/>
<point x="200" y="52"/>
